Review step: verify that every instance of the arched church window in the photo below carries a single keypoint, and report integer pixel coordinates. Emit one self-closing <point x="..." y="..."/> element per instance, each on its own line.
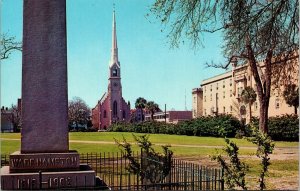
<point x="115" y="108"/>
<point x="124" y="114"/>
<point x="104" y="114"/>
<point x="115" y="72"/>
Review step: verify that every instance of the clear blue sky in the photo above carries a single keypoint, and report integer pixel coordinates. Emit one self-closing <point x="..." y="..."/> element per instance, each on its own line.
<point x="149" y="68"/>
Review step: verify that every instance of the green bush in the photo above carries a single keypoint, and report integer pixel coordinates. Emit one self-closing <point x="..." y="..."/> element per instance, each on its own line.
<point x="219" y="126"/>
<point x="282" y="128"/>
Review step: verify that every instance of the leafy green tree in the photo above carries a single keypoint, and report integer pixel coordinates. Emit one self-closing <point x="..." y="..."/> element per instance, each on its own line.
<point x="252" y="30"/>
<point x="141" y="103"/>
<point x="234" y="171"/>
<point x="265" y="147"/>
<point x="153" y="167"/>
<point x="8" y="44"/>
<point x="152" y="107"/>
<point x="78" y="112"/>
<point x="248" y="96"/>
<point x="291" y="96"/>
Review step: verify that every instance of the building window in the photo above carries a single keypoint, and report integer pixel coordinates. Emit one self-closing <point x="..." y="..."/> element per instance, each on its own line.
<point x="210" y="97"/>
<point x="115" y="108"/>
<point x="223" y="94"/>
<point x="212" y="110"/>
<point x="124" y="114"/>
<point x="204" y="88"/>
<point x="230" y="93"/>
<point x="210" y="87"/>
<point x="230" y="82"/>
<point x="115" y="72"/>
<point x="204" y="98"/>
<point x="223" y="83"/>
<point x="255" y="105"/>
<point x="224" y="110"/>
<point x="217" y="86"/>
<point x="104" y="114"/>
<point x="231" y="108"/>
<point x="277" y="105"/>
<point x="194" y="99"/>
<point x="217" y="96"/>
<point x="204" y="111"/>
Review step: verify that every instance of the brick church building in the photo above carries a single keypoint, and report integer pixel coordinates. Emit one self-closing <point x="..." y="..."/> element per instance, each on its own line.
<point x="111" y="107"/>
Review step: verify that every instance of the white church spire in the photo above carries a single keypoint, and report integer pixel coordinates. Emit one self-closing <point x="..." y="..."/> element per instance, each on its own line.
<point x="114" y="48"/>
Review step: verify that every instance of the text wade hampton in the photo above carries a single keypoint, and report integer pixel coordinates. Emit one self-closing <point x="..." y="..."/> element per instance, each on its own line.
<point x="43" y="162"/>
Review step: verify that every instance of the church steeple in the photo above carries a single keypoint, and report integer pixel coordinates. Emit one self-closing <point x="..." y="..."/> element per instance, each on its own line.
<point x="114" y="49"/>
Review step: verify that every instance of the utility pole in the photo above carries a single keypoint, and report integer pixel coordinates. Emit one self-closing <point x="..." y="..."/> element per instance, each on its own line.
<point x="165" y="113"/>
<point x="185" y="100"/>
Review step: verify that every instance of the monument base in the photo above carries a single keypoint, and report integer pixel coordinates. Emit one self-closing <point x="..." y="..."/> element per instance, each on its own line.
<point x="36" y="171"/>
<point x="83" y="178"/>
<point x="34" y="162"/>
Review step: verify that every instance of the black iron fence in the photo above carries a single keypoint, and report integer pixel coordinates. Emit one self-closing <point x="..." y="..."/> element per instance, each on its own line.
<point x="112" y="168"/>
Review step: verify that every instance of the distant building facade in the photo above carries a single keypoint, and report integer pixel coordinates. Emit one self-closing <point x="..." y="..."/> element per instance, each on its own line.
<point x="221" y="94"/>
<point x="11" y="118"/>
<point x="171" y="116"/>
<point x="197" y="102"/>
<point x="7" y="120"/>
<point x="112" y="107"/>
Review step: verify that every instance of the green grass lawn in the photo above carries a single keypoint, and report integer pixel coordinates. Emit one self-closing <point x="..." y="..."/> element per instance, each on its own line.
<point x="284" y="171"/>
<point x="156" y="138"/>
<point x="9" y="146"/>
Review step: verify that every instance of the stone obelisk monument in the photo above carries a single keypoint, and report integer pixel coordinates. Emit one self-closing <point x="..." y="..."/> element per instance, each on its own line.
<point x="44" y="77"/>
<point x="45" y="161"/>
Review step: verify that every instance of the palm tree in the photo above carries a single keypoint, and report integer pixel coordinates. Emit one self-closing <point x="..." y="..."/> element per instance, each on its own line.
<point x="248" y="96"/>
<point x="140" y="103"/>
<point x="152" y="107"/>
<point x="291" y="96"/>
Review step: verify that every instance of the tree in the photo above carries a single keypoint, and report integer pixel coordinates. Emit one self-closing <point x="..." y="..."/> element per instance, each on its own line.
<point x="252" y="30"/>
<point x="14" y="117"/>
<point x="248" y="96"/>
<point x="235" y="170"/>
<point x="153" y="167"/>
<point x="291" y="96"/>
<point x="140" y="103"/>
<point x="152" y="107"/>
<point x="8" y="44"/>
<point x="78" y="112"/>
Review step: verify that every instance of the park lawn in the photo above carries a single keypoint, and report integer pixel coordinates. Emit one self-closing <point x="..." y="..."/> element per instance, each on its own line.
<point x="283" y="173"/>
<point x="156" y="138"/>
<point x="9" y="146"/>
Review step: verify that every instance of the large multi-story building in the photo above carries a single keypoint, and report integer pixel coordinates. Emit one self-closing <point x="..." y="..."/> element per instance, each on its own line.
<point x="112" y="106"/>
<point x="221" y="94"/>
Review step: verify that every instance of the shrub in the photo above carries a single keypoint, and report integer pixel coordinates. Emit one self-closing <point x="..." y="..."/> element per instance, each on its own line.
<point x="281" y="128"/>
<point x="219" y="126"/>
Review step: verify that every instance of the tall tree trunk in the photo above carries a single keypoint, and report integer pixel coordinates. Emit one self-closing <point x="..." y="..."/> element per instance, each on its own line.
<point x="263" y="83"/>
<point x="152" y="116"/>
<point x="263" y="113"/>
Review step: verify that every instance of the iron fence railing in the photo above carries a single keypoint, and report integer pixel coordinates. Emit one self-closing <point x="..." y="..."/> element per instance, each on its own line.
<point x="112" y="169"/>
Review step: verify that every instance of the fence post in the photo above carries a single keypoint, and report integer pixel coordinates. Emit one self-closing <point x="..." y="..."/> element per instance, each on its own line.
<point x="185" y="177"/>
<point x="120" y="187"/>
<point x="193" y="177"/>
<point x="222" y="179"/>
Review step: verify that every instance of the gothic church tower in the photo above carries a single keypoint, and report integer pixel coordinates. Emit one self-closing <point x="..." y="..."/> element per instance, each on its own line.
<point x="114" y="81"/>
<point x="112" y="107"/>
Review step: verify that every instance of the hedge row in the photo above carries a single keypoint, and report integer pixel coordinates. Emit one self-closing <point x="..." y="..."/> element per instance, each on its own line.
<point x="281" y="128"/>
<point x="220" y="126"/>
